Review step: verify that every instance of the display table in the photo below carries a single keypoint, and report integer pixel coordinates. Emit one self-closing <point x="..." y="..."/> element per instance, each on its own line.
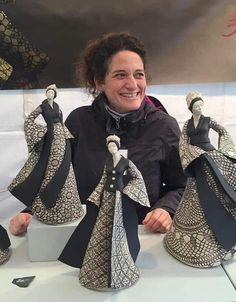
<point x="162" y="278"/>
<point x="230" y="270"/>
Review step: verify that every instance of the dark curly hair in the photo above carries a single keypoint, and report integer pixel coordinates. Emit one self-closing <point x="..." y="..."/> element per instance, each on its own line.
<point x="94" y="60"/>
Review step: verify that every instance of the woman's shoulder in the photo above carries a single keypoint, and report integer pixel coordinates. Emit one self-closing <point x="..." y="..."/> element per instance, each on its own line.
<point x="165" y="119"/>
<point x="80" y="111"/>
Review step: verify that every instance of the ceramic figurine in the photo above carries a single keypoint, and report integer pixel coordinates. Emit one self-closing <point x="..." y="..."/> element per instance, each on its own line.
<point x="47" y="181"/>
<point x="203" y="233"/>
<point x="105" y="244"/>
<point x="4" y="245"/>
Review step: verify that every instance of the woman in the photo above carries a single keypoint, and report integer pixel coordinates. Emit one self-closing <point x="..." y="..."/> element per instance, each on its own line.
<point x="113" y="68"/>
<point x="47" y="181"/>
<point x="4" y="245"/>
<point x="106" y="240"/>
<point x="203" y="233"/>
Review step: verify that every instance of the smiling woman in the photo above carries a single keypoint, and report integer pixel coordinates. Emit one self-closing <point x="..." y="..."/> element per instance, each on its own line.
<point x="113" y="68"/>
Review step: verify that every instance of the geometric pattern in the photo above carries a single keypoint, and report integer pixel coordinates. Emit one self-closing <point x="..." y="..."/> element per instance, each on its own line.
<point x="136" y="189"/>
<point x="5" y="70"/>
<point x="17" y="50"/>
<point x="190" y="238"/>
<point x="94" y="272"/>
<point x="4" y="255"/>
<point x="124" y="273"/>
<point x="107" y="264"/>
<point x="68" y="206"/>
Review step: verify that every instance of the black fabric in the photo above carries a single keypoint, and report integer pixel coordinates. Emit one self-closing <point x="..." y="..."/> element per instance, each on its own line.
<point x="29" y="188"/>
<point x="199" y="136"/>
<point x="27" y="191"/>
<point x="114" y="180"/>
<point x="151" y="138"/>
<point x="221" y="222"/>
<point x="4" y="239"/>
<point x="50" y="193"/>
<point x="75" y="249"/>
<point x="131" y="226"/>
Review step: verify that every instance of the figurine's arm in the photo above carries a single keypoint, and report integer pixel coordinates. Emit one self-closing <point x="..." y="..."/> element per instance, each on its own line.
<point x="33" y="132"/>
<point x="225" y="142"/>
<point x="95" y="196"/>
<point x="135" y="188"/>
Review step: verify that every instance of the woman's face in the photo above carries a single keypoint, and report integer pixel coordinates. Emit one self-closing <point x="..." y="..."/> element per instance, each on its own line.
<point x="112" y="148"/>
<point x="125" y="82"/>
<point x="50" y="94"/>
<point x="197" y="107"/>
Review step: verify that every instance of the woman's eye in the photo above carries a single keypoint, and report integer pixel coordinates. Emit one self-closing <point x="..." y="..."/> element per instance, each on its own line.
<point x="139" y="75"/>
<point x="120" y="75"/>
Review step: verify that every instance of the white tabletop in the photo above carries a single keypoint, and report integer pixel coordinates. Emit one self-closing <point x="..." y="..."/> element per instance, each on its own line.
<point x="162" y="278"/>
<point x="230" y="270"/>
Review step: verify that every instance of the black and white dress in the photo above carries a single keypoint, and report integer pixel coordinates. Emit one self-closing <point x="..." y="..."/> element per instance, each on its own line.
<point x="47" y="181"/>
<point x="105" y="244"/>
<point x="203" y="232"/>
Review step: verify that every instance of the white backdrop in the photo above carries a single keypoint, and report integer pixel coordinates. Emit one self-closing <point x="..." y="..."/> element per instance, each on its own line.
<point x="220" y="100"/>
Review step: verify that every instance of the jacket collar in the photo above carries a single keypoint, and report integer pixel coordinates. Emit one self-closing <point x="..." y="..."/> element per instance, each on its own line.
<point x="119" y="125"/>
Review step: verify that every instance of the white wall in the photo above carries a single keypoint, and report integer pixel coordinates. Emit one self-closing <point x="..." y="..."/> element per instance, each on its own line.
<point x="220" y="100"/>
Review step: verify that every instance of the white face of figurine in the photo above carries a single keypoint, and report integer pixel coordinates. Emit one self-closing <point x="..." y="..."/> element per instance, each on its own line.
<point x="112" y="148"/>
<point x="197" y="107"/>
<point x="50" y="94"/>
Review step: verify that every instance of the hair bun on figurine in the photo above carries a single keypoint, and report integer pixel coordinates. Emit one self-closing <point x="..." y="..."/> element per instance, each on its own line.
<point x="193" y="97"/>
<point x="52" y="87"/>
<point x="113" y="138"/>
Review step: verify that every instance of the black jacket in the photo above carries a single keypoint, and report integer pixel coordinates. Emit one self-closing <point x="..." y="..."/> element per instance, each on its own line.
<point x="151" y="137"/>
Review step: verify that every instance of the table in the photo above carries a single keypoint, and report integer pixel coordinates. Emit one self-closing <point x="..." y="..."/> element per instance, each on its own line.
<point x="230" y="270"/>
<point x="162" y="278"/>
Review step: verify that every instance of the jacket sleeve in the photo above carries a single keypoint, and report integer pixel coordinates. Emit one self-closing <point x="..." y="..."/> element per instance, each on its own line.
<point x="173" y="177"/>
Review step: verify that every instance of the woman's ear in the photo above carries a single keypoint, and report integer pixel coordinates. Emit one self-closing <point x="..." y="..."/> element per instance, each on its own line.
<point x="99" y="85"/>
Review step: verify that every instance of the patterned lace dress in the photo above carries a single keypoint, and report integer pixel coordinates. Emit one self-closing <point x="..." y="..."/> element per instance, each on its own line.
<point x="47" y="181"/>
<point x="203" y="233"/>
<point x="105" y="244"/>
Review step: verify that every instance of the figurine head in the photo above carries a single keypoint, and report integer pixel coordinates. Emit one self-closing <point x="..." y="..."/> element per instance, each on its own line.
<point x="49" y="90"/>
<point x="192" y="98"/>
<point x="113" y="143"/>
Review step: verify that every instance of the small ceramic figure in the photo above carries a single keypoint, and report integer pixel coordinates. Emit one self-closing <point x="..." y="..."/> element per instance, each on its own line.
<point x="203" y="233"/>
<point x="4" y="245"/>
<point x="47" y="181"/>
<point x="105" y="244"/>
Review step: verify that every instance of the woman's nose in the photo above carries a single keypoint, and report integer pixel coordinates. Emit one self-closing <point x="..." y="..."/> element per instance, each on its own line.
<point x="131" y="82"/>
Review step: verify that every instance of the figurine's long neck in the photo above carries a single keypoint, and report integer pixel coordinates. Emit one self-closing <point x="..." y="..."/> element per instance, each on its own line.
<point x="50" y="102"/>
<point x="196" y="118"/>
<point x="116" y="157"/>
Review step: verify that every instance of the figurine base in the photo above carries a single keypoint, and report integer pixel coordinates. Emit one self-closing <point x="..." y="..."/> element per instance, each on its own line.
<point x="46" y="242"/>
